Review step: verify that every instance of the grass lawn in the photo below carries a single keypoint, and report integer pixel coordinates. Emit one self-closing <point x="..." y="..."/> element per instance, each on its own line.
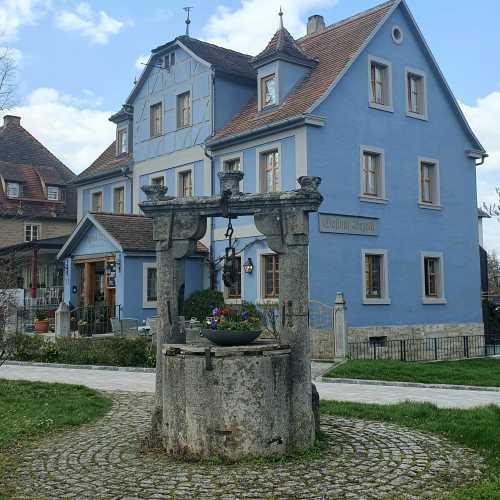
<point x="481" y="372"/>
<point x="31" y="410"/>
<point x="478" y="429"/>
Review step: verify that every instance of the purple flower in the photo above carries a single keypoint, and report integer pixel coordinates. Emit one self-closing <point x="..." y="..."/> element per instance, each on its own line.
<point x="213" y="325"/>
<point x="216" y="311"/>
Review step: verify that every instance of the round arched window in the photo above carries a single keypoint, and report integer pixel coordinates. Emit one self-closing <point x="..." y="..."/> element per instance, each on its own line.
<point x="397" y="34"/>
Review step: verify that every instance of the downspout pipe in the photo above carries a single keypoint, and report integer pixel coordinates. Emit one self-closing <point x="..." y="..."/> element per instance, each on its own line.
<point x="482" y="160"/>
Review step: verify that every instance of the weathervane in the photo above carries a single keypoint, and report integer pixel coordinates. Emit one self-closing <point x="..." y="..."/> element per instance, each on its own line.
<point x="188" y="21"/>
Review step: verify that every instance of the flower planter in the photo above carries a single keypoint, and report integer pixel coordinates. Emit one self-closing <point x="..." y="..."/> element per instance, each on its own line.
<point x="231" y="337"/>
<point x="41" y="325"/>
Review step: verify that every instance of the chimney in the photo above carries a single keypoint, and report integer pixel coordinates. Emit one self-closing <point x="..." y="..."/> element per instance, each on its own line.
<point x="315" y="24"/>
<point x="11" y="120"/>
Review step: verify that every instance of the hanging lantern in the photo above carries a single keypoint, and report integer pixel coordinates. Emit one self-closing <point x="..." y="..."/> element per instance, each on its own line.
<point x="248" y="266"/>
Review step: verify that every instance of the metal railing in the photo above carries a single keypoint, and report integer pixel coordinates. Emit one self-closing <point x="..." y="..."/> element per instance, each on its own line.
<point x="93" y="320"/>
<point x="427" y="349"/>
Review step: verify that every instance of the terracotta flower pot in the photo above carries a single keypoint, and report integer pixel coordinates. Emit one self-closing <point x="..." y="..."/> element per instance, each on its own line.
<point x="41" y="325"/>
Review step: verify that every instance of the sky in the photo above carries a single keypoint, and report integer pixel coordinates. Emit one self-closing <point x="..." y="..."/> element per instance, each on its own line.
<point x="77" y="61"/>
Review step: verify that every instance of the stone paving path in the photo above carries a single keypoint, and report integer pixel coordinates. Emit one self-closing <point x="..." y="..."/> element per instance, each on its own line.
<point x="109" y="380"/>
<point x="365" y="460"/>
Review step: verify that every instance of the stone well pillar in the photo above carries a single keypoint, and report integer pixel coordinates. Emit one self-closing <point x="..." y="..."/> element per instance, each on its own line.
<point x="231" y="403"/>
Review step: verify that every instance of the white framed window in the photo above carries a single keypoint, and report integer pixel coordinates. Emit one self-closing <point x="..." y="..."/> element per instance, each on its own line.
<point x="428" y="183"/>
<point x="32" y="232"/>
<point x="432" y="269"/>
<point x="372" y="174"/>
<point x="121" y="141"/>
<point x="380" y="83"/>
<point x="96" y="201"/>
<point x="184" y="181"/>
<point x="268" y="168"/>
<point x="232" y="164"/>
<point x="184" y="109"/>
<point x="155" y="120"/>
<point x="234" y="293"/>
<point x="149" y="285"/>
<point x="119" y="200"/>
<point x="416" y="93"/>
<point x="158" y="180"/>
<point x="53" y="193"/>
<point x="268" y="91"/>
<point x="267" y="269"/>
<point x="375" y="277"/>
<point x="13" y="190"/>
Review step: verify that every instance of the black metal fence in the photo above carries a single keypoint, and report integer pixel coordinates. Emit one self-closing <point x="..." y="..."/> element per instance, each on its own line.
<point x="427" y="349"/>
<point x="93" y="320"/>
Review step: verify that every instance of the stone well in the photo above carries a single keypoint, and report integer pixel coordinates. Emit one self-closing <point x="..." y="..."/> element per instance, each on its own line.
<point x="227" y="402"/>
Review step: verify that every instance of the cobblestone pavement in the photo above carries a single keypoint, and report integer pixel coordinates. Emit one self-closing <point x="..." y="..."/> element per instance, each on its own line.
<point x="365" y="460"/>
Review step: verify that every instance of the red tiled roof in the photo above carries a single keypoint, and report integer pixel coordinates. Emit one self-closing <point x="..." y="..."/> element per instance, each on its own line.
<point x="107" y="161"/>
<point x="133" y="232"/>
<point x="25" y="160"/>
<point x="334" y="48"/>
<point x="283" y="43"/>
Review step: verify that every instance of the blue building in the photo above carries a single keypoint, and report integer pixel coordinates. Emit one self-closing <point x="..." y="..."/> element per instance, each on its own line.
<point x="362" y="104"/>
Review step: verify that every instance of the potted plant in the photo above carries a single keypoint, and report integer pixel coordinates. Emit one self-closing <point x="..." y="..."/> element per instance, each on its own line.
<point x="231" y="327"/>
<point x="41" y="324"/>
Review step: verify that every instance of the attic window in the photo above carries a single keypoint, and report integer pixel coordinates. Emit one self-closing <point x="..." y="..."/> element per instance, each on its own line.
<point x="13" y="190"/>
<point x="268" y="91"/>
<point x="121" y="141"/>
<point x="53" y="193"/>
<point x="397" y="35"/>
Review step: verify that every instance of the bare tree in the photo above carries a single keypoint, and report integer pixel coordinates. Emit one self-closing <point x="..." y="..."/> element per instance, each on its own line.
<point x="493" y="274"/>
<point x="493" y="209"/>
<point x="8" y="73"/>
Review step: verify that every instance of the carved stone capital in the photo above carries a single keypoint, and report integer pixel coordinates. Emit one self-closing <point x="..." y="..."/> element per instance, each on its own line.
<point x="155" y="192"/>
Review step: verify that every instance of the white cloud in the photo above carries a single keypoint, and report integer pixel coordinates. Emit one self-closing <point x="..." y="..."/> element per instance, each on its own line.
<point x="249" y="27"/>
<point x="141" y="61"/>
<point x="16" y="13"/>
<point x="70" y="127"/>
<point x="483" y="118"/>
<point x="96" y="27"/>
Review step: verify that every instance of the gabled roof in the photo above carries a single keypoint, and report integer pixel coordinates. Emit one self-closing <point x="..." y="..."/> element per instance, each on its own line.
<point x="106" y="163"/>
<point x="282" y="45"/>
<point x="129" y="233"/>
<point x="19" y="147"/>
<point x="25" y="160"/>
<point x="336" y="48"/>
<point x="224" y="61"/>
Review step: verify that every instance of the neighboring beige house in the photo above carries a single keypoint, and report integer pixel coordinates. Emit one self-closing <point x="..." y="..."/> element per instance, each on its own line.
<point x="37" y="203"/>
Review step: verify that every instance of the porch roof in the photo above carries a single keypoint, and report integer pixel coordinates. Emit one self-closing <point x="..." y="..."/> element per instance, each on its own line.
<point x="46" y="244"/>
<point x="129" y="233"/>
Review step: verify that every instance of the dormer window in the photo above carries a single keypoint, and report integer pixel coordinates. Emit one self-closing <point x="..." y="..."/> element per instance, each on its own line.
<point x="121" y="141"/>
<point x="13" y="190"/>
<point x="268" y="91"/>
<point x="53" y="193"/>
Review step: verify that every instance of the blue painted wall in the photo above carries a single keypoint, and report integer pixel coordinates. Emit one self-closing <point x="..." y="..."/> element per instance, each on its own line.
<point x="163" y="86"/>
<point x="106" y="186"/>
<point x="230" y="96"/>
<point x="289" y="75"/>
<point x="405" y="229"/>
<point x="249" y="167"/>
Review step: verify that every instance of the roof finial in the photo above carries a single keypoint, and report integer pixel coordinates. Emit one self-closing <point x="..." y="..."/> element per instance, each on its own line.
<point x="188" y="21"/>
<point x="280" y="13"/>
